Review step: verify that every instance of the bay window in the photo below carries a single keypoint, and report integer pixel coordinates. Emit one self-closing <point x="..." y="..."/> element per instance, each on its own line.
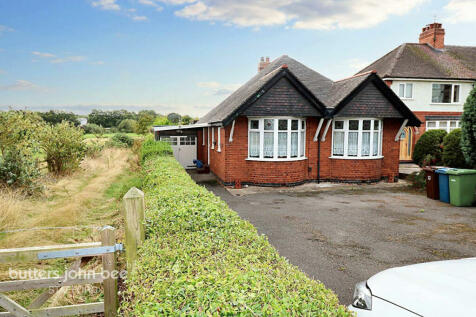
<point x="357" y="138"/>
<point x="276" y="138"/>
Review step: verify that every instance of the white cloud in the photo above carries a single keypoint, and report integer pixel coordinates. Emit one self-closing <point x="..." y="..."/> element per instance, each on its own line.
<point x="4" y="29"/>
<point x="357" y="64"/>
<point x="218" y="89"/>
<point x="460" y="11"/>
<point x="139" y="18"/>
<point x="300" y="14"/>
<point x="97" y="63"/>
<point x="20" y="84"/>
<point x="68" y="59"/>
<point x="43" y="54"/>
<point x="106" y="5"/>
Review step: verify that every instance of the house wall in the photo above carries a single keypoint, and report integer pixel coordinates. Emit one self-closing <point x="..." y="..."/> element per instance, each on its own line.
<point x="231" y="165"/>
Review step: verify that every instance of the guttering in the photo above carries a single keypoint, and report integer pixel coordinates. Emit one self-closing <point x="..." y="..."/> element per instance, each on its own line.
<point x="180" y="127"/>
<point x="430" y="79"/>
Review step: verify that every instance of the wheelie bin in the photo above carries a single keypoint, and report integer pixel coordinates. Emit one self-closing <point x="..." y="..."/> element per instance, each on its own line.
<point x="443" y="184"/>
<point x="431" y="179"/>
<point x="462" y="187"/>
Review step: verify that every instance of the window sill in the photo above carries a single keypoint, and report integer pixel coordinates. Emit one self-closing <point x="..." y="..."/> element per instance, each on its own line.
<point x="276" y="160"/>
<point x="357" y="157"/>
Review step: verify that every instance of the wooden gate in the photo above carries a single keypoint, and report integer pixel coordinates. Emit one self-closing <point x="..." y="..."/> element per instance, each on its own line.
<point x="106" y="248"/>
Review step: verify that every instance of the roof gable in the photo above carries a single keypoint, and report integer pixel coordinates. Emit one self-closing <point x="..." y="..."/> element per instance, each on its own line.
<point x="368" y="95"/>
<point x="282" y="99"/>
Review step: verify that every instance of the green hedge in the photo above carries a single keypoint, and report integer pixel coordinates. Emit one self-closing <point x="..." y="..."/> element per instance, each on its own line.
<point x="200" y="258"/>
<point x="428" y="149"/>
<point x="452" y="154"/>
<point x="152" y="148"/>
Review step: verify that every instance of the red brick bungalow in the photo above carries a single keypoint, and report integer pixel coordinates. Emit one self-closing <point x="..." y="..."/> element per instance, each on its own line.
<point x="289" y="125"/>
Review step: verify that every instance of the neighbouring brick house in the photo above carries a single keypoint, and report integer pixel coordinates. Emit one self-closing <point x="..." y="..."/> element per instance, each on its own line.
<point x="289" y="125"/>
<point x="433" y="79"/>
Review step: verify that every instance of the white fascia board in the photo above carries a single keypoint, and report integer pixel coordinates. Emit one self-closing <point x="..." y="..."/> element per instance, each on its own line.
<point x="429" y="79"/>
<point x="181" y="127"/>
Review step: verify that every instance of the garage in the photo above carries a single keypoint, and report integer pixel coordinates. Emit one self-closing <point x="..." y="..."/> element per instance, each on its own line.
<point x="184" y="147"/>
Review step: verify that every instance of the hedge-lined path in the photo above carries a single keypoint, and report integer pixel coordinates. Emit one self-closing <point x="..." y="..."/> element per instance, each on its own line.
<point x="346" y="235"/>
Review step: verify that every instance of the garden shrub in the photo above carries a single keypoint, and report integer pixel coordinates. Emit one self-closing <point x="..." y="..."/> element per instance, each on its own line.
<point x="150" y="147"/>
<point x="63" y="146"/>
<point x="468" y="129"/>
<point x="93" y="149"/>
<point x="430" y="143"/>
<point x="417" y="180"/>
<point x="127" y="125"/>
<point x="95" y="129"/>
<point x="452" y="154"/>
<point x="201" y="259"/>
<point x="18" y="170"/>
<point x="121" y="140"/>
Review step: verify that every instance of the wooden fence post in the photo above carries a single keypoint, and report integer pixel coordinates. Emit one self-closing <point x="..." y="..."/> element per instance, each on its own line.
<point x="109" y="266"/>
<point x="134" y="209"/>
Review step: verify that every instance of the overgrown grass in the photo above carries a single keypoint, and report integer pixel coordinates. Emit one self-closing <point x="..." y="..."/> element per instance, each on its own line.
<point x="109" y="135"/>
<point x="201" y="259"/>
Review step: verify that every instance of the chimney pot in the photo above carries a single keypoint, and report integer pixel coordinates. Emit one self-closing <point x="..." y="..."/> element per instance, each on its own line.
<point x="262" y="64"/>
<point x="434" y="35"/>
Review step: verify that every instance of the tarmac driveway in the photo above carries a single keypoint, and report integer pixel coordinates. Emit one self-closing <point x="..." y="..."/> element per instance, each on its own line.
<point x="345" y="235"/>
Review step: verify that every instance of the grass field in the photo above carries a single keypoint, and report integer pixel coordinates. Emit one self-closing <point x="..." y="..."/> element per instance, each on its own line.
<point x="88" y="197"/>
<point x="109" y="135"/>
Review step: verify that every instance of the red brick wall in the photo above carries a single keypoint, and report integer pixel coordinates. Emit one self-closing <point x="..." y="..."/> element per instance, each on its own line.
<point x="422" y="114"/>
<point x="231" y="165"/>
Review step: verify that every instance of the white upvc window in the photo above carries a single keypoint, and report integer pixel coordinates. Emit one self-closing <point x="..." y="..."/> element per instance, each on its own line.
<point x="276" y="138"/>
<point x="357" y="138"/>
<point x="219" y="139"/>
<point x="405" y="90"/>
<point x="447" y="125"/>
<point x="213" y="138"/>
<point x="445" y="93"/>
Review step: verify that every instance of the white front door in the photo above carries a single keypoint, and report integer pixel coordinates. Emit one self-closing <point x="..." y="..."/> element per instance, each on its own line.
<point x="184" y="147"/>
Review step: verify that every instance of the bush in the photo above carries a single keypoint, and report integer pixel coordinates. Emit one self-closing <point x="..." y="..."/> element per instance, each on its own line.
<point x="150" y="147"/>
<point x="127" y="126"/>
<point x="121" y="140"/>
<point x="92" y="149"/>
<point x="63" y="146"/>
<point x="19" y="171"/>
<point x="417" y="180"/>
<point x="468" y="129"/>
<point x="430" y="143"/>
<point x="201" y="258"/>
<point x="92" y="128"/>
<point x="452" y="153"/>
<point x="55" y="117"/>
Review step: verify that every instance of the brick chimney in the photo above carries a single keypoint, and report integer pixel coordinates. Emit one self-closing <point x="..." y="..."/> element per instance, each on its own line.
<point x="434" y="35"/>
<point x="263" y="63"/>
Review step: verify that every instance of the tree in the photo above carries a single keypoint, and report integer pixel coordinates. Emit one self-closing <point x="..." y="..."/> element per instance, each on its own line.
<point x="174" y="118"/>
<point x="144" y="122"/>
<point x="452" y="154"/>
<point x="162" y="120"/>
<point x="63" y="146"/>
<point x="429" y="147"/>
<point x="127" y="125"/>
<point x="109" y="119"/>
<point x="468" y="130"/>
<point x="55" y="117"/>
<point x="186" y="119"/>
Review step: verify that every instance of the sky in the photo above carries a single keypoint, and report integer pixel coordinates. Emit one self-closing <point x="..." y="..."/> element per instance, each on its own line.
<point x="186" y="56"/>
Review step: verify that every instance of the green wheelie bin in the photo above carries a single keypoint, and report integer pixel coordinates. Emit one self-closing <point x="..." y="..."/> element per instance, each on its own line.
<point x="462" y="186"/>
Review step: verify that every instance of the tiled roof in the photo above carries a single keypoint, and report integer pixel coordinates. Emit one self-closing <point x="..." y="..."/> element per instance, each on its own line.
<point x="411" y="60"/>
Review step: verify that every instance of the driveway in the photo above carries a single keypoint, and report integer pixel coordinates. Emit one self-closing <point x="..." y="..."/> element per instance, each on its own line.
<point x="344" y="235"/>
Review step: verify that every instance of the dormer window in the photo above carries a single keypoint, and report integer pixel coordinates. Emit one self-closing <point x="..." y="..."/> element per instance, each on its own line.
<point x="405" y="91"/>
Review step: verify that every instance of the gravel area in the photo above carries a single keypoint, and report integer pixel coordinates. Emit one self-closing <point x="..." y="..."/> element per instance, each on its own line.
<point x="343" y="235"/>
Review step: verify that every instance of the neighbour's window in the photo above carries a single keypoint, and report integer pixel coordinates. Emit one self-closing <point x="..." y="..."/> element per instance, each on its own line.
<point x="405" y="91"/>
<point x="169" y="140"/>
<point x="447" y="125"/>
<point x="187" y="140"/>
<point x="445" y="93"/>
<point x="276" y="138"/>
<point x="359" y="138"/>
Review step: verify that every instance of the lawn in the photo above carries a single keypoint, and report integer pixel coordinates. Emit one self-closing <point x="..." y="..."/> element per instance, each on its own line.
<point x="88" y="199"/>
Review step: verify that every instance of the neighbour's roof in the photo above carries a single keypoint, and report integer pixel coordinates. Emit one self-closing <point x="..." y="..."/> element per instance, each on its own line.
<point x="412" y="60"/>
<point x="312" y="80"/>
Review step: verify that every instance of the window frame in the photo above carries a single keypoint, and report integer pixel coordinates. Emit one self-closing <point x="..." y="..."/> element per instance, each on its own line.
<point x="360" y="131"/>
<point x="405" y="88"/>
<point x="448" y="127"/>
<point x="451" y="94"/>
<point x="301" y="127"/>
